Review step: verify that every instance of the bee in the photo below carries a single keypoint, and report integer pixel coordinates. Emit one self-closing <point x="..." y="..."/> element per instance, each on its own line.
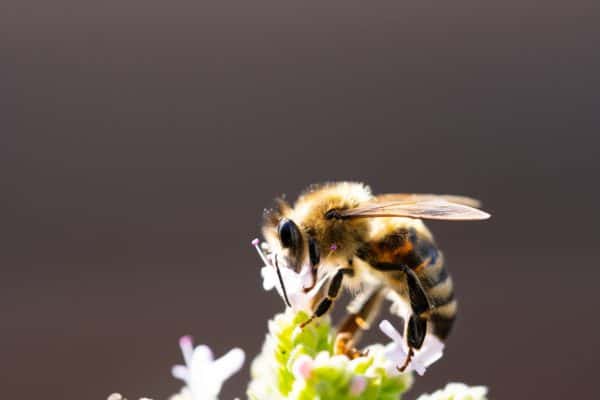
<point x="377" y="247"/>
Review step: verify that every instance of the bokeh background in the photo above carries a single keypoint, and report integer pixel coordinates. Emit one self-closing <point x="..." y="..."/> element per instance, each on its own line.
<point x="140" y="141"/>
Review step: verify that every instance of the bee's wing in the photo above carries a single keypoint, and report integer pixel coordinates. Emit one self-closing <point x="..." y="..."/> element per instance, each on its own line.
<point x="464" y="200"/>
<point x="433" y="208"/>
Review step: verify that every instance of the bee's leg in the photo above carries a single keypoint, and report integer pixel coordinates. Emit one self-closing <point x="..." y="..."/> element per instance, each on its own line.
<point x="362" y="311"/>
<point x="415" y="335"/>
<point x="416" y="327"/>
<point x="420" y="304"/>
<point x="335" y="285"/>
<point x="419" y="301"/>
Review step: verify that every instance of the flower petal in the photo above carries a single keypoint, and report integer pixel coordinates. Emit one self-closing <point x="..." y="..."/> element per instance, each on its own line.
<point x="417" y="366"/>
<point x="391" y="332"/>
<point x="186" y="343"/>
<point x="432" y="350"/>
<point x="202" y="356"/>
<point x="395" y="353"/>
<point x="269" y="277"/>
<point x="229" y="364"/>
<point x="180" y="372"/>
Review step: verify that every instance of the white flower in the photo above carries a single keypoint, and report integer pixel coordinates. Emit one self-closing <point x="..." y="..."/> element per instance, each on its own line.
<point x="397" y="350"/>
<point x="295" y="283"/>
<point x="202" y="374"/>
<point x="457" y="391"/>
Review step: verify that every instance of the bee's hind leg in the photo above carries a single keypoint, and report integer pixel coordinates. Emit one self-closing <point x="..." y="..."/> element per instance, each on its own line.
<point x="362" y="312"/>
<point x="335" y="284"/>
<point x="416" y="327"/>
<point x="415" y="335"/>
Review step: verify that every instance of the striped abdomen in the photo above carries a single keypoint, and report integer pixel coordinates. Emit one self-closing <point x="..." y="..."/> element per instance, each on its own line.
<point x="438" y="286"/>
<point x="406" y="248"/>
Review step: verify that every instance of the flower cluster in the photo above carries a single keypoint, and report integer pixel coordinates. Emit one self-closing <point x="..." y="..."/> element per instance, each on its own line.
<point x="299" y="364"/>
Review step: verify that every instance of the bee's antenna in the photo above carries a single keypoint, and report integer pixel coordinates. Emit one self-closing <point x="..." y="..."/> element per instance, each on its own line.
<point x="255" y="243"/>
<point x="285" y="296"/>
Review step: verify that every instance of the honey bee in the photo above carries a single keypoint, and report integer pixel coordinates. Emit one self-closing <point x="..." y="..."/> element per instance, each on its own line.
<point x="375" y="246"/>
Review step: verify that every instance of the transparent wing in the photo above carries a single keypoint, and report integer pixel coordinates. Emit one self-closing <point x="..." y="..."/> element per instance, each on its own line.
<point x="464" y="200"/>
<point x="435" y="208"/>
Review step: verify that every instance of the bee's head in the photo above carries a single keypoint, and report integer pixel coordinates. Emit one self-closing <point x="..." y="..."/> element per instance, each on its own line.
<point x="291" y="243"/>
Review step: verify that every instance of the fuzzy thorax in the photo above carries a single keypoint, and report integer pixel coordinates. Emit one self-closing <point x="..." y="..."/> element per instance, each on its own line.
<point x="336" y="238"/>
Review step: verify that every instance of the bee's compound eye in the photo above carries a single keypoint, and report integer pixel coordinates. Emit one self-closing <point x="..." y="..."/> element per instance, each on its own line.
<point x="289" y="234"/>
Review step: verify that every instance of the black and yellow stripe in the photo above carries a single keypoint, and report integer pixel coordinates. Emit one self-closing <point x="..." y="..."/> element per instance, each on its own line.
<point x="439" y="288"/>
<point x="406" y="248"/>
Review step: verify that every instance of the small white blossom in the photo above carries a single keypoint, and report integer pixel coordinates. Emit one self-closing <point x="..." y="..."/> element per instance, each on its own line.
<point x="295" y="283"/>
<point x="397" y="350"/>
<point x="202" y="374"/>
<point x="457" y="391"/>
<point x="302" y="367"/>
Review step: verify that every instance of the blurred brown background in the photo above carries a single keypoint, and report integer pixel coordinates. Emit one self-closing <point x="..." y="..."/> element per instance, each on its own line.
<point x="140" y="141"/>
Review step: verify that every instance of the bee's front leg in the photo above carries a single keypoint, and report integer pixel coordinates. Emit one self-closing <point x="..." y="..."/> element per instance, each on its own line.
<point x="335" y="284"/>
